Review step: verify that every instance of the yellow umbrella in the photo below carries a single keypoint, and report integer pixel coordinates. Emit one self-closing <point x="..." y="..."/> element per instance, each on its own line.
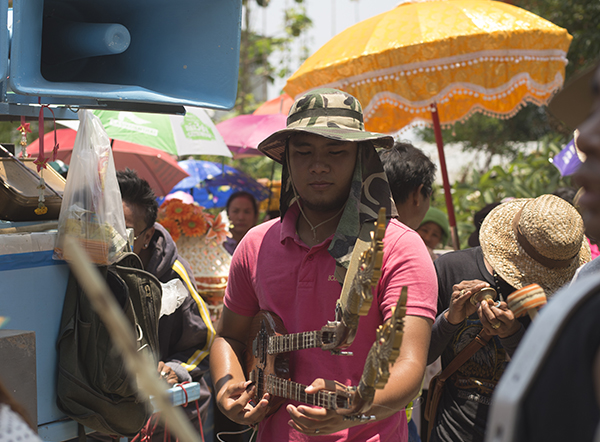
<point x="438" y="62"/>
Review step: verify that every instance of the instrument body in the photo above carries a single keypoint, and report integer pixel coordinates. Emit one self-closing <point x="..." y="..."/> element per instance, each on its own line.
<point x="267" y="363"/>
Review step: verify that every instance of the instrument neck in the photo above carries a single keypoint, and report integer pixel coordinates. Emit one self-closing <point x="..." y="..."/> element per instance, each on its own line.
<point x="297" y="392"/>
<point x="294" y="342"/>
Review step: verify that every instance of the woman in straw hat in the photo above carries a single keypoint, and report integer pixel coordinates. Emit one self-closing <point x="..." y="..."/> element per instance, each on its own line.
<point x="523" y="241"/>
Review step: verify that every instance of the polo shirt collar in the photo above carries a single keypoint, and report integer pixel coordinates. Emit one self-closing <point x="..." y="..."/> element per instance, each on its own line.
<point x="288" y="226"/>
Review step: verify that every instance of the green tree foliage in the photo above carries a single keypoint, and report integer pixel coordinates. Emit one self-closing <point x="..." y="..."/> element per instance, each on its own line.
<point x="527" y="176"/>
<point x="255" y="50"/>
<point x="581" y="18"/>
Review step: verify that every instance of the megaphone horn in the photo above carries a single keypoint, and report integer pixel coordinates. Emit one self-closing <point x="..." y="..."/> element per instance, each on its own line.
<point x="126" y="53"/>
<point x="73" y="41"/>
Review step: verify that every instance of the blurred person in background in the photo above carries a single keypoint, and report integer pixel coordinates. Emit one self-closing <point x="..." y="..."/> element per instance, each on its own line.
<point x="186" y="333"/>
<point x="478" y="218"/>
<point x="410" y="174"/>
<point x="435" y="230"/>
<point x="242" y="211"/>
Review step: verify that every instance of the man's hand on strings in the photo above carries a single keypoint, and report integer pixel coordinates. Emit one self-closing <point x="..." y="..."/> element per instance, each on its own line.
<point x="235" y="403"/>
<point x="316" y="420"/>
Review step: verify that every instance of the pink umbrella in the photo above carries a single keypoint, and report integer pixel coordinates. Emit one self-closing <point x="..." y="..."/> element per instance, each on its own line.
<point x="243" y="133"/>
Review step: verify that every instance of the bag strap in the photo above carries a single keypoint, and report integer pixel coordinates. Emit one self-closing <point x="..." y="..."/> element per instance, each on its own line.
<point x="202" y="308"/>
<point x="480" y="341"/>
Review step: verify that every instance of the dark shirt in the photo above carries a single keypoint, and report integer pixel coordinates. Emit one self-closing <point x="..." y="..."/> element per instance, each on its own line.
<point x="464" y="406"/>
<point x="230" y="244"/>
<point x="561" y="405"/>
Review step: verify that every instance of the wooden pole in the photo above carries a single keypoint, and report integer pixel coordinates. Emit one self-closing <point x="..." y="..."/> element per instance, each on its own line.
<point x="437" y="130"/>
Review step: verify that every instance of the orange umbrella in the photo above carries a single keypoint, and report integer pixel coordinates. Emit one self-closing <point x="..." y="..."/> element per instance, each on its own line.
<point x="156" y="166"/>
<point x="437" y="62"/>
<point x="279" y="105"/>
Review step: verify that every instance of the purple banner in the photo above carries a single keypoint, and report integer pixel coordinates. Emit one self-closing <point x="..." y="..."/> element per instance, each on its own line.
<point x="567" y="161"/>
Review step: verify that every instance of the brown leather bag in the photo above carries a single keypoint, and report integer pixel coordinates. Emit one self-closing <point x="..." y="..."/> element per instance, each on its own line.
<point x="437" y="383"/>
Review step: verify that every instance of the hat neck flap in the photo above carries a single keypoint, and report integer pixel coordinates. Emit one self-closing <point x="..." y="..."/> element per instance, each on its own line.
<point x="369" y="191"/>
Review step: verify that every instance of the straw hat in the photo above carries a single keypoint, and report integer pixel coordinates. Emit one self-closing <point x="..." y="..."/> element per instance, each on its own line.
<point x="330" y="113"/>
<point x="538" y="240"/>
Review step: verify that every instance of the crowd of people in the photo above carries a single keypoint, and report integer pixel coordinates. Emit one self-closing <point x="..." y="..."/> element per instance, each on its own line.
<point x="335" y="178"/>
<point x="333" y="181"/>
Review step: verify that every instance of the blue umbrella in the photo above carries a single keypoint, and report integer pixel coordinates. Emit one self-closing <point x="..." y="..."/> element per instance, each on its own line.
<point x="212" y="184"/>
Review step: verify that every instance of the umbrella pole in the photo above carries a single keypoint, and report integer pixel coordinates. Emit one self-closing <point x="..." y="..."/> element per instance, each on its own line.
<point x="437" y="130"/>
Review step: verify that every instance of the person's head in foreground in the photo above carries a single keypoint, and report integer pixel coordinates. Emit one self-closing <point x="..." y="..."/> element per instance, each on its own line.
<point x="535" y="240"/>
<point x="410" y="174"/>
<point x="242" y="211"/>
<point x="434" y="229"/>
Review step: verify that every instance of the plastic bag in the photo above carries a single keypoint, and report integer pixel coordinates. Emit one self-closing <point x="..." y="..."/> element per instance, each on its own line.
<point x="91" y="210"/>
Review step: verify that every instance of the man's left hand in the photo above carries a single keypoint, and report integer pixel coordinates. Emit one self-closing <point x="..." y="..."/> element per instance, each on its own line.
<point x="315" y="421"/>
<point x="498" y="319"/>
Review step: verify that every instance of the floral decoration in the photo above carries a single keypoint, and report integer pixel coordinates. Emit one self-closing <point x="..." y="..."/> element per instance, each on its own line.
<point x="190" y="220"/>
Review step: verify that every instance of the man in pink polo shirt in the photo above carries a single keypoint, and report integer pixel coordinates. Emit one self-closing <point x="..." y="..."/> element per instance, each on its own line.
<point x="333" y="186"/>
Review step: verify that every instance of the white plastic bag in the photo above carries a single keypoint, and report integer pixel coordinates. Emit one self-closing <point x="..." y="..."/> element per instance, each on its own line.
<point x="91" y="210"/>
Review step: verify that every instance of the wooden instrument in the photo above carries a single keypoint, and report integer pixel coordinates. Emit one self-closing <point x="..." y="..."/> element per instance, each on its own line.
<point x="268" y="364"/>
<point x="384" y="351"/>
<point x="364" y="271"/>
<point x="527" y="300"/>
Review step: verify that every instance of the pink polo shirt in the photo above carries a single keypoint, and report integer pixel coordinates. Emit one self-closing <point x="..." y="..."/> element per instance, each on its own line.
<point x="272" y="269"/>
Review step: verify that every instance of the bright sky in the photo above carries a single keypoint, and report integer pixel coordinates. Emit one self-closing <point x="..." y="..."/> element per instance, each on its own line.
<point x="329" y="17"/>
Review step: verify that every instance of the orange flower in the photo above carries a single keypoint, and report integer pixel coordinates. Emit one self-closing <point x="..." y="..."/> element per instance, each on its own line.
<point x="193" y="226"/>
<point x="172" y="227"/>
<point x="178" y="210"/>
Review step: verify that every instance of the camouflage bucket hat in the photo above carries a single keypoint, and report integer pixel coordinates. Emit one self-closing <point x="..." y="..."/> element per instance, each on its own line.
<point x="330" y="113"/>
